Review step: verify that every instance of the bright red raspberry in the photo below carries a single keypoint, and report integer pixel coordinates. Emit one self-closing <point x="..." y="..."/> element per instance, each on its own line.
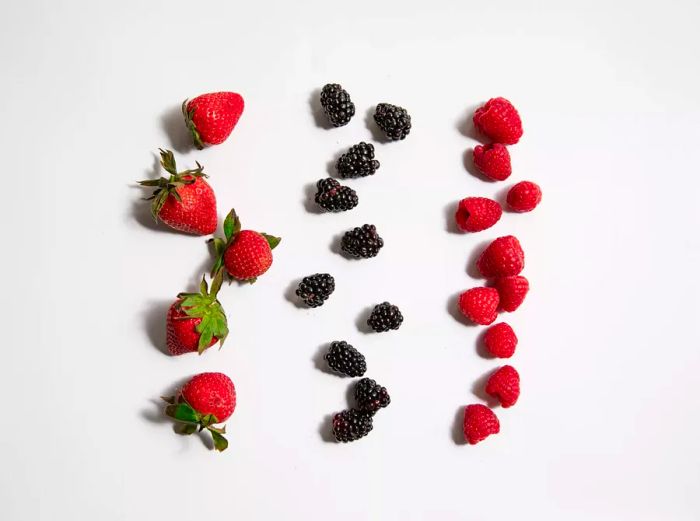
<point x="479" y="305"/>
<point x="500" y="340"/>
<point x="479" y="423"/>
<point x="524" y="196"/>
<point x="493" y="161"/>
<point x="502" y="258"/>
<point x="475" y="214"/>
<point x="499" y="121"/>
<point x="504" y="384"/>
<point x="511" y="291"/>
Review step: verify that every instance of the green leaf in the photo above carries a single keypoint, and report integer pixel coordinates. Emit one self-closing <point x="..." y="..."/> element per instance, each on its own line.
<point x="208" y="420"/>
<point x="182" y="412"/>
<point x="187" y="428"/>
<point x="232" y="225"/>
<point x="219" y="246"/>
<point x="216" y="283"/>
<point x="167" y="159"/>
<point x="168" y="399"/>
<point x="203" y="287"/>
<point x="272" y="240"/>
<point x="220" y="443"/>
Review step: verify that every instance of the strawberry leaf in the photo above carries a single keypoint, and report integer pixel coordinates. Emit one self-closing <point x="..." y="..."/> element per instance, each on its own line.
<point x="182" y="412"/>
<point x="167" y="159"/>
<point x="272" y="240"/>
<point x="220" y="443"/>
<point x="232" y="225"/>
<point x="186" y="429"/>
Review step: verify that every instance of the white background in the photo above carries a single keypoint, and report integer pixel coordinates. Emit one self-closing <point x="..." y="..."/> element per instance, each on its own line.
<point x="607" y="427"/>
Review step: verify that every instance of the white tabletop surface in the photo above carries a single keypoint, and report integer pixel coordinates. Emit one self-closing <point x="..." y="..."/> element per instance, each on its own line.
<point x="607" y="426"/>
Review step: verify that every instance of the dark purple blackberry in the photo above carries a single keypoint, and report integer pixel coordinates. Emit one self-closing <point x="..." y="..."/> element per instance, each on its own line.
<point x="393" y="120"/>
<point x="315" y="289"/>
<point x="358" y="161"/>
<point x="384" y="317"/>
<point x="334" y="197"/>
<point x="337" y="105"/>
<point x="345" y="359"/>
<point x="362" y="242"/>
<point x="370" y="396"/>
<point x="351" y="425"/>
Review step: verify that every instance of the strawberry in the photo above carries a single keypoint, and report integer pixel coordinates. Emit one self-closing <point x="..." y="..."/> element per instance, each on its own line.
<point x="184" y="201"/>
<point x="493" y="161"/>
<point x="212" y="117"/>
<point x="511" y="291"/>
<point x="479" y="305"/>
<point x="504" y="384"/>
<point x="499" y="121"/>
<point x="475" y="214"/>
<point x="245" y="254"/>
<point x="504" y="257"/>
<point x="196" y="321"/>
<point x="500" y="340"/>
<point x="479" y="423"/>
<point x="205" y="400"/>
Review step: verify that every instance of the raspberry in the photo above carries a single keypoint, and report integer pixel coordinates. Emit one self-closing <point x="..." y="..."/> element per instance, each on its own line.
<point x="511" y="291"/>
<point x="384" y="317"/>
<point x="337" y="105"/>
<point x="524" y="196"/>
<point x="504" y="384"/>
<point x="362" y="242"/>
<point x="334" y="197"/>
<point x="393" y="120"/>
<point x="499" y="121"/>
<point x="370" y="396"/>
<point x="351" y="425"/>
<point x="358" y="161"/>
<point x="500" y="340"/>
<point x="479" y="423"/>
<point x="502" y="258"/>
<point x="314" y="290"/>
<point x="493" y="161"/>
<point x="479" y="305"/>
<point x="475" y="214"/>
<point x="345" y="359"/>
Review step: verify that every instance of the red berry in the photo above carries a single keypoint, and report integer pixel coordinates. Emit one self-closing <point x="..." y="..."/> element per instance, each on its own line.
<point x="479" y="423"/>
<point x="499" y="121"/>
<point x="502" y="258"/>
<point x="511" y="291"/>
<point x="211" y="393"/>
<point x="500" y="340"/>
<point x="479" y="305"/>
<point x="475" y="214"/>
<point x="493" y="161"/>
<point x="212" y="117"/>
<point x="524" y="196"/>
<point x="504" y="384"/>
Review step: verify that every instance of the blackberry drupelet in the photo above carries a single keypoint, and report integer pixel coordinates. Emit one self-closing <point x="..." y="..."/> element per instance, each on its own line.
<point x="345" y="359"/>
<point x="351" y="425"/>
<point x="384" y="317"/>
<point x="393" y="120"/>
<point x="337" y="105"/>
<point x="334" y="197"/>
<point x="362" y="242"/>
<point x="358" y="161"/>
<point x="370" y="396"/>
<point x="314" y="290"/>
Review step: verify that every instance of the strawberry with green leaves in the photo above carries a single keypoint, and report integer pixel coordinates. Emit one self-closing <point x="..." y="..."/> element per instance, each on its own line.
<point x="206" y="400"/>
<point x="196" y="321"/>
<point x="184" y="200"/>
<point x="212" y="117"/>
<point x="244" y="253"/>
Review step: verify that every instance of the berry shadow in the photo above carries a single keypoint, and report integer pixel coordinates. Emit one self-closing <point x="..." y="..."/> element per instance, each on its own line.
<point x="331" y="169"/>
<point x="173" y="124"/>
<point x="309" y="200"/>
<point x="336" y="246"/>
<point x="474" y="255"/>
<point x="361" y="320"/>
<point x="470" y="167"/>
<point x="320" y="118"/>
<point x="450" y="222"/>
<point x="325" y="429"/>
<point x="154" y="324"/>
<point x="453" y="309"/>
<point x="479" y="390"/>
<point x="465" y="123"/>
<point x="320" y="362"/>
<point x="501" y="197"/>
<point x="480" y="346"/>
<point x="457" y="431"/>
<point x="374" y="129"/>
<point x="291" y="296"/>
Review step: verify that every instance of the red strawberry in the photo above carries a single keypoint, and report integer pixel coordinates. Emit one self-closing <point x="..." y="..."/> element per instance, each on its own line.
<point x="475" y="214"/>
<point x="502" y="258"/>
<point x="245" y="254"/>
<point x="479" y="305"/>
<point x="499" y="121"/>
<point x="196" y="321"/>
<point x="524" y="196"/>
<point x="504" y="384"/>
<point x="212" y="117"/>
<point x="500" y="340"/>
<point x="184" y="201"/>
<point x="479" y="423"/>
<point x="207" y="399"/>
<point x="493" y="161"/>
<point x="511" y="291"/>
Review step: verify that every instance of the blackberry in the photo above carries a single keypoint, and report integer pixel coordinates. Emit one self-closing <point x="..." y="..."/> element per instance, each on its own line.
<point x="351" y="425"/>
<point x="337" y="105"/>
<point x="334" y="197"/>
<point x="393" y="120"/>
<point x="370" y="396"/>
<point x="315" y="289"/>
<point x="343" y="358"/>
<point x="362" y="242"/>
<point x="384" y="317"/>
<point x="358" y="161"/>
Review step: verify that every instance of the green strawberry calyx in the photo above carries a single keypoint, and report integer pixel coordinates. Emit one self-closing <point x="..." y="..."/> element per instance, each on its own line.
<point x="167" y="186"/>
<point x="232" y="227"/>
<point x="206" y="306"/>
<point x="188" y="114"/>
<point x="191" y="421"/>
